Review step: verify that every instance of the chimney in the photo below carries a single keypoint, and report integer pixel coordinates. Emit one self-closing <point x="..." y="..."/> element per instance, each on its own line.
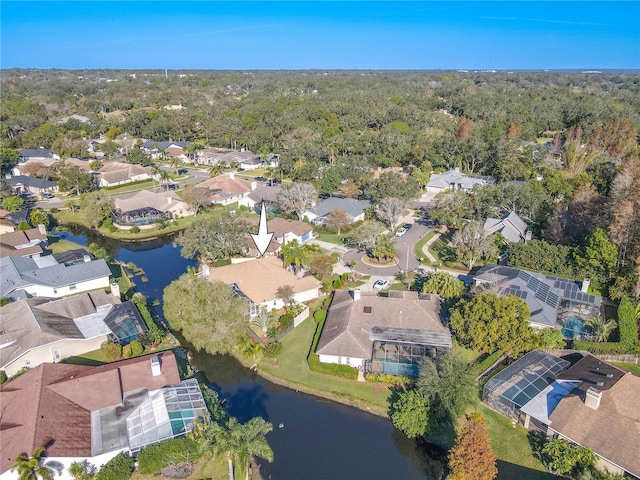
<point x="456" y="169"/>
<point x="205" y="270"/>
<point x="592" y="398"/>
<point x="528" y="235"/>
<point x="86" y="257"/>
<point x="355" y="293"/>
<point x="232" y="175"/>
<point x="585" y="285"/>
<point x="115" y="289"/>
<point x="155" y="366"/>
<point x="42" y="228"/>
<point x="254" y="185"/>
<point x="169" y="200"/>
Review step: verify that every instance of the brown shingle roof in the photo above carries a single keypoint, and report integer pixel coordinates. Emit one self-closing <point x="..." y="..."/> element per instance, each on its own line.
<point x="51" y="404"/>
<point x="613" y="430"/>
<point x="346" y="330"/>
<point x="223" y="186"/>
<point x="22" y="242"/>
<point x="259" y="279"/>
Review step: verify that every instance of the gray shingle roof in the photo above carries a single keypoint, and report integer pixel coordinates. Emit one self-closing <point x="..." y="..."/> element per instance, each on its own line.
<point x="510" y="226"/>
<point x="19" y="272"/>
<point x="31" y="182"/>
<point x="351" y="206"/>
<point x="36" y="152"/>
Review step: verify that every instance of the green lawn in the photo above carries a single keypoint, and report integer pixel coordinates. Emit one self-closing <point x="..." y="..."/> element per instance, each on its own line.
<point x="331" y="238"/>
<point x="628" y="367"/>
<point x="418" y="247"/>
<point x="292" y="367"/>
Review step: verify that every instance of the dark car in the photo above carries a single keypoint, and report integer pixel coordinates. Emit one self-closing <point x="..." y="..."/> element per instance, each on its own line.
<point x="261" y="179"/>
<point x="406" y="226"/>
<point x="182" y="171"/>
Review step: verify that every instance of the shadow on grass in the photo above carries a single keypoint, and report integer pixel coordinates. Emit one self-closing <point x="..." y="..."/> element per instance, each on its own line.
<point x="510" y="471"/>
<point x="80" y="360"/>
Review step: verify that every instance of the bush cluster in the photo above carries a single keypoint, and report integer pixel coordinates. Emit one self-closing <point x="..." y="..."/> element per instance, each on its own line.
<point x="386" y="378"/>
<point x="273" y="349"/>
<point x="112" y="352"/>
<point x="155" y="457"/>
<point x="155" y="333"/>
<point x="119" y="467"/>
<point x="605" y="348"/>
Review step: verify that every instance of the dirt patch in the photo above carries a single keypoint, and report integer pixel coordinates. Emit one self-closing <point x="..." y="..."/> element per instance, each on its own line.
<point x="179" y="470"/>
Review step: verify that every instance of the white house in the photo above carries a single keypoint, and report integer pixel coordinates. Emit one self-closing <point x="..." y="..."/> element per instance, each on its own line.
<point x="227" y="188"/>
<point x="453" y="181"/>
<point x="118" y="173"/>
<point x="44" y="277"/>
<point x="258" y="280"/>
<point x="82" y="413"/>
<point x="319" y="213"/>
<point x="383" y="334"/>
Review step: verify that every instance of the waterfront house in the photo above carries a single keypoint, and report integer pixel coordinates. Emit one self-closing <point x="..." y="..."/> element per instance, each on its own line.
<point x="39" y="330"/>
<point x="23" y="243"/>
<point x="388" y="335"/>
<point x="82" y="413"/>
<point x="147" y="208"/>
<point x="227" y="188"/>
<point x="257" y="282"/>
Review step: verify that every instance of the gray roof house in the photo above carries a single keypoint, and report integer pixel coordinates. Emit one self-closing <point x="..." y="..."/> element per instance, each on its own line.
<point x="263" y="192"/>
<point x="41" y="329"/>
<point x="40" y="153"/>
<point x="453" y="180"/>
<point x="554" y="302"/>
<point x="31" y="184"/>
<point x="44" y="277"/>
<point x="319" y="213"/>
<point x="510" y="226"/>
<point x="383" y="334"/>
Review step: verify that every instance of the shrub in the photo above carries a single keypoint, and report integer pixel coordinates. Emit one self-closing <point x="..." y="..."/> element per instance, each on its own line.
<point x="386" y="378"/>
<point x="212" y="401"/>
<point x="112" y="352"/>
<point x="605" y="348"/>
<point x="119" y="467"/>
<point x="108" y="224"/>
<point x="154" y="458"/>
<point x="627" y="323"/>
<point x="126" y="351"/>
<point x="136" y="348"/>
<point x="337" y="283"/>
<point x="320" y="316"/>
<point x="54" y="210"/>
<point x="154" y="333"/>
<point x="4" y="301"/>
<point x="327" y="286"/>
<point x="135" y="229"/>
<point x="286" y="320"/>
<point x="222" y="262"/>
<point x="3" y="377"/>
<point x="273" y="349"/>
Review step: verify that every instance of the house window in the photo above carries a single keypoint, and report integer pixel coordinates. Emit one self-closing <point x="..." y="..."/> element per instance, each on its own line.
<point x="56" y="354"/>
<point x="347" y="361"/>
<point x="27" y="362"/>
<point x="72" y="287"/>
<point x="339" y="360"/>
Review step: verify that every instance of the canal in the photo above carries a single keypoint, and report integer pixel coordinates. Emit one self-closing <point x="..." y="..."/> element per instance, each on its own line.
<point x="313" y="438"/>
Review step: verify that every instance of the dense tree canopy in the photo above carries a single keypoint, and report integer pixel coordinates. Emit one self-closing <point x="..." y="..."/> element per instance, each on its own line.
<point x="207" y="314"/>
<point x="210" y="239"/>
<point x="490" y="323"/>
<point x="471" y="457"/>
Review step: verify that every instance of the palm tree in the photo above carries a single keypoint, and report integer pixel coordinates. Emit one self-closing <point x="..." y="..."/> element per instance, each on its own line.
<point x="32" y="467"/>
<point x="254" y="442"/>
<point x="601" y="328"/>
<point x="295" y="254"/>
<point x="215" y="170"/>
<point x="175" y="162"/>
<point x="263" y="320"/>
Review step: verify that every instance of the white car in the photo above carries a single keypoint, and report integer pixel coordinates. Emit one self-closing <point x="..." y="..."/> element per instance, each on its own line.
<point x="381" y="284"/>
<point x="401" y="231"/>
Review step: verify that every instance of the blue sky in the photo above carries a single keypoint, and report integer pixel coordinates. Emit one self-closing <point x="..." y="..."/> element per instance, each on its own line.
<point x="320" y="35"/>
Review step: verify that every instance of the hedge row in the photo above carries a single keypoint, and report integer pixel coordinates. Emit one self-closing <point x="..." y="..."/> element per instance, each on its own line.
<point x="485" y="363"/>
<point x="627" y="323"/>
<point x="605" y="348"/>
<point x="155" y="457"/>
<point x="154" y="332"/>
<point x="119" y="467"/>
<point x="314" y="362"/>
<point x="391" y="379"/>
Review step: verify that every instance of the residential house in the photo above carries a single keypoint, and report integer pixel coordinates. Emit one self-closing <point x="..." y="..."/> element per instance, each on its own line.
<point x="554" y="302"/>
<point x="119" y="173"/>
<point x="82" y="413"/>
<point x="263" y="193"/>
<point x="166" y="149"/>
<point x="383" y="334"/>
<point x="75" y="116"/>
<point x="38" y="330"/>
<point x="319" y="213"/>
<point x="44" y="277"/>
<point x="580" y="398"/>
<point x="81" y="163"/>
<point x="284" y="231"/>
<point x="39" y="154"/>
<point x="511" y="226"/>
<point x="24" y="183"/>
<point x="272" y="160"/>
<point x="227" y="188"/>
<point x="257" y="282"/>
<point x="244" y="159"/>
<point x="9" y="221"/>
<point x="147" y="208"/>
<point x="454" y="180"/>
<point x="23" y="243"/>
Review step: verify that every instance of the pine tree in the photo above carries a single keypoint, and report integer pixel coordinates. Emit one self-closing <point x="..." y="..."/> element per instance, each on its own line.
<point x="471" y="458"/>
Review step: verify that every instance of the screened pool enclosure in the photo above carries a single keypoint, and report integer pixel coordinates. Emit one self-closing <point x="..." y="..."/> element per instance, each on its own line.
<point x="512" y="388"/>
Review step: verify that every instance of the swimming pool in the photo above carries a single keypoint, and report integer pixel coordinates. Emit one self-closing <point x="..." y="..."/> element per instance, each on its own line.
<point x="574" y="326"/>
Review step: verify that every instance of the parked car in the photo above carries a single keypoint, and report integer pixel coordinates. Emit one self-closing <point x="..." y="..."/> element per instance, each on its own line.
<point x="406" y="226"/>
<point x="261" y="179"/>
<point x="46" y="195"/>
<point x="401" y="231"/>
<point x="381" y="284"/>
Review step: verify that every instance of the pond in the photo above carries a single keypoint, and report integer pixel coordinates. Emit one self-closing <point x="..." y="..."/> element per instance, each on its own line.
<point x="313" y="438"/>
